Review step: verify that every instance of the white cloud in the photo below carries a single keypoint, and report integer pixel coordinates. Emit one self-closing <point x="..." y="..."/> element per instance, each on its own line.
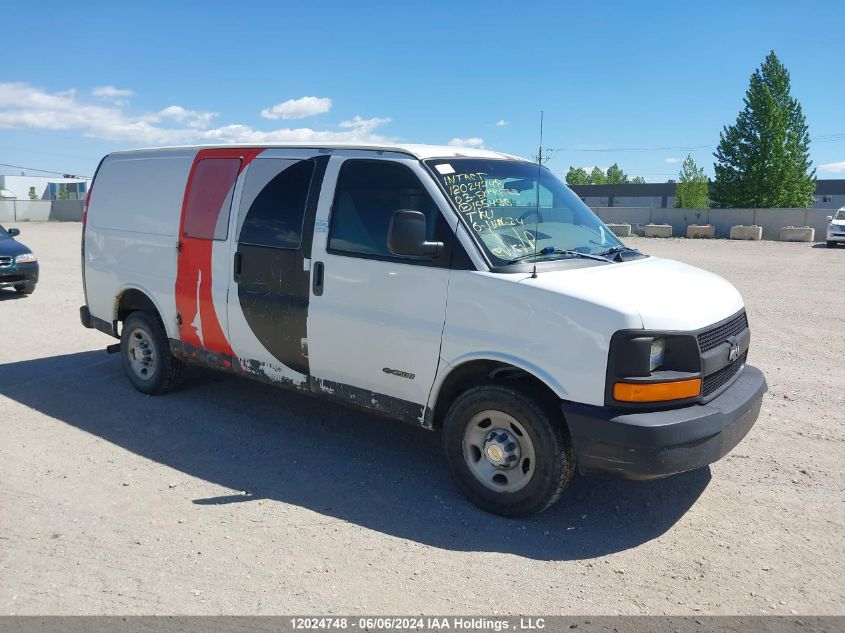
<point x="833" y="168"/>
<point x="364" y="125"/>
<point x="25" y="106"/>
<point x="672" y="160"/>
<point x="110" y="92"/>
<point x="191" y="118"/>
<point x="118" y="96"/>
<point x="467" y="142"/>
<point x="502" y="123"/>
<point x="298" y="108"/>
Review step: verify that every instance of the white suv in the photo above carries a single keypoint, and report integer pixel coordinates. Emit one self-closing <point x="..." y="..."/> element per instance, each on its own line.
<point x="836" y="228"/>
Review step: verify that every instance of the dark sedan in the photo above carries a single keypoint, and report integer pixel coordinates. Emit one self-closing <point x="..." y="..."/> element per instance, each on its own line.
<point x="18" y="264"/>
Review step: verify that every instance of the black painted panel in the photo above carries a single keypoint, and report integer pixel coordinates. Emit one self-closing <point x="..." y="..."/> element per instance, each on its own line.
<point x="273" y="287"/>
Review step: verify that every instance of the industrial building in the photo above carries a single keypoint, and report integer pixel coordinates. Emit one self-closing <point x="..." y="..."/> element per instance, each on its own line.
<point x="43" y="187"/>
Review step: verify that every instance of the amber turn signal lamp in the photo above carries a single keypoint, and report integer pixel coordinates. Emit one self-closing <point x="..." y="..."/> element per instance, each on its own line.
<point x="656" y="391"/>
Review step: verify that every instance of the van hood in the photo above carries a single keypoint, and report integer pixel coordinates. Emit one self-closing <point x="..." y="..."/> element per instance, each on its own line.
<point x="666" y="294"/>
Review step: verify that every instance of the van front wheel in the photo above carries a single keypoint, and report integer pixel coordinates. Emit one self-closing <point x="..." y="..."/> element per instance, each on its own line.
<point x="509" y="453"/>
<point x="147" y="360"/>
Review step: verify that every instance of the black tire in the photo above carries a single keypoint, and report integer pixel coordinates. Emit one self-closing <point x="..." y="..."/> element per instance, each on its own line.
<point x="25" y="290"/>
<point x="166" y="371"/>
<point x="831" y="244"/>
<point x="554" y="458"/>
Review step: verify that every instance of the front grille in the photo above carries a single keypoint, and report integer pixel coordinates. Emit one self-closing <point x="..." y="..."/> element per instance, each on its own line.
<point x="7" y="279"/>
<point x="5" y="261"/>
<point x="719" y="334"/>
<point x="721" y="377"/>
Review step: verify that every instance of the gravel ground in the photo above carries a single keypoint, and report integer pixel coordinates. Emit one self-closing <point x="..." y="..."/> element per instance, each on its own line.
<point x="231" y="497"/>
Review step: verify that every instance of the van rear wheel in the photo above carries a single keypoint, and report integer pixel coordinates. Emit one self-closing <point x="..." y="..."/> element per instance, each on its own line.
<point x="508" y="452"/>
<point x="147" y="360"/>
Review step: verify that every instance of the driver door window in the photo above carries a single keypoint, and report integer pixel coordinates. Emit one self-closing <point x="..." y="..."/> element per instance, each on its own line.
<point x="368" y="193"/>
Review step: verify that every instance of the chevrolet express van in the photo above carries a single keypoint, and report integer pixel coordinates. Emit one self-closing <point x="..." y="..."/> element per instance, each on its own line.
<point x="462" y="290"/>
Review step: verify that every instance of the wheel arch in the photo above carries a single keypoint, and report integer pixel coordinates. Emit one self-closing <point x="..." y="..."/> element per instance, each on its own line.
<point x="491" y="369"/>
<point x="133" y="298"/>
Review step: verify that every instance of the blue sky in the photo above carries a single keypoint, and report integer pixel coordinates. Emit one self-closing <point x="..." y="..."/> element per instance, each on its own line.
<point x="101" y="76"/>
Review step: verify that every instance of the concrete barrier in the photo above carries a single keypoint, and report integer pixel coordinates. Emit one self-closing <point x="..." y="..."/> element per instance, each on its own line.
<point x="770" y="220"/>
<point x="701" y="230"/>
<point x="740" y="232"/>
<point x="797" y="234"/>
<point x="657" y="230"/>
<point x="620" y="230"/>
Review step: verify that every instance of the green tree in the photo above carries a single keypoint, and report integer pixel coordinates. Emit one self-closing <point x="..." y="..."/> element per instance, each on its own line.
<point x="64" y="193"/>
<point x="32" y="194"/>
<point x="597" y="177"/>
<point x="577" y="176"/>
<point x="638" y="180"/>
<point x="615" y="176"/>
<point x="763" y="160"/>
<point x="691" y="190"/>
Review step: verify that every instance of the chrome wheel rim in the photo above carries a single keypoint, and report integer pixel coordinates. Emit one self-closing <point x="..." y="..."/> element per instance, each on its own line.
<point x="141" y="354"/>
<point x="498" y="451"/>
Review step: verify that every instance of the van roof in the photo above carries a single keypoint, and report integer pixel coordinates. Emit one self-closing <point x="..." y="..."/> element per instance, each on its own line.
<point x="417" y="150"/>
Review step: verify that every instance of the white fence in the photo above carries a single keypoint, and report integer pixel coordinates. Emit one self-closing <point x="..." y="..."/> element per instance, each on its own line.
<point x="40" y="210"/>
<point x="772" y="220"/>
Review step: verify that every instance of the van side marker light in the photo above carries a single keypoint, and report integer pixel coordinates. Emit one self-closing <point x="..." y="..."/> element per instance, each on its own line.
<point x="657" y="391"/>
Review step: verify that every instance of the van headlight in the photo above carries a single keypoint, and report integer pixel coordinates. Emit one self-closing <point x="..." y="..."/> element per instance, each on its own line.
<point x="652" y="367"/>
<point x="658" y="348"/>
<point x="26" y="258"/>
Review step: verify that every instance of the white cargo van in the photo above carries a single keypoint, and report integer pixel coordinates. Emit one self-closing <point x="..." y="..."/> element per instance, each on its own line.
<point x="458" y="289"/>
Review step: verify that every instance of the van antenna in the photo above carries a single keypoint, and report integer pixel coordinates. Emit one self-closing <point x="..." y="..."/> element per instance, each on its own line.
<point x="537" y="210"/>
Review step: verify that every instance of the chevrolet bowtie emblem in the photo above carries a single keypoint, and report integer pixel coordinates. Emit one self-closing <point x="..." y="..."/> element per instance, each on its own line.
<point x="733" y="354"/>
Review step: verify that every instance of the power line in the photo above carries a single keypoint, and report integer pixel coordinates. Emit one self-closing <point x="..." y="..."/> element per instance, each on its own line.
<point x="821" y="138"/>
<point x="631" y="149"/>
<point x="43" y="171"/>
<point x="38" y="151"/>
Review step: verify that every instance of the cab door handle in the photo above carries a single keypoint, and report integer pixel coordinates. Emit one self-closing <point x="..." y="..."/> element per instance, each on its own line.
<point x="317" y="274"/>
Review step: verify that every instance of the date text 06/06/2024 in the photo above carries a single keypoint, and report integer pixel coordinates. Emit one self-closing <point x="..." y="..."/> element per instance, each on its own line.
<point x="418" y="623"/>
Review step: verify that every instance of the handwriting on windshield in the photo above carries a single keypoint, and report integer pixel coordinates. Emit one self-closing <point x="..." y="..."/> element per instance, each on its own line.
<point x="475" y="192"/>
<point x="482" y="202"/>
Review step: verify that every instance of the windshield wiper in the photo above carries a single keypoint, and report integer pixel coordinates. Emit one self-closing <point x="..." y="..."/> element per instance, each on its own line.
<point x="553" y="250"/>
<point x="615" y="250"/>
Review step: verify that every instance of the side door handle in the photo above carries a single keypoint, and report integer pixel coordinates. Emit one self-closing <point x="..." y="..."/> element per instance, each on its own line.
<point x="236" y="268"/>
<point x="317" y="274"/>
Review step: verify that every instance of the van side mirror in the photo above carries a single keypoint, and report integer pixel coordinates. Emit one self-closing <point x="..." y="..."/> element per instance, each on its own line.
<point x="406" y="235"/>
<point x="829" y="218"/>
<point x="14" y="232"/>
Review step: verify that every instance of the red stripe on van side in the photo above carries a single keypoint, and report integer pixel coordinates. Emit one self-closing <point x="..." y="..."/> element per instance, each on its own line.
<point x="194" y="269"/>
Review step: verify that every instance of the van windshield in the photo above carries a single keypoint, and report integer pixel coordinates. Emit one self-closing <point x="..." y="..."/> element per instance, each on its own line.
<point x="498" y="200"/>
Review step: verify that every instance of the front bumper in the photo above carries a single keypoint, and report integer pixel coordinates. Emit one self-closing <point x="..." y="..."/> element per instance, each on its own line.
<point x="836" y="237"/>
<point x="19" y="275"/>
<point x="647" y="445"/>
